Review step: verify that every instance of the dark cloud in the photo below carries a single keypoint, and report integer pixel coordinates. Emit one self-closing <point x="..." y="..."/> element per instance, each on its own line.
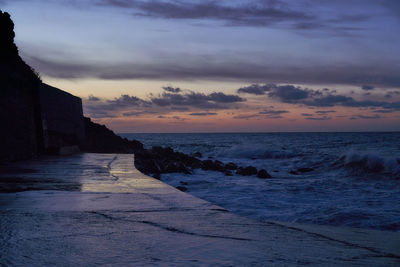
<point x="179" y="100"/>
<point x="223" y="98"/>
<point x="384" y="111"/>
<point x="251" y="13"/>
<point x="93" y="98"/>
<point x="367" y="117"/>
<point x="180" y="108"/>
<point x="256" y="89"/>
<point x="227" y="69"/>
<point x="247" y="116"/>
<point x="320" y="98"/>
<point x="367" y="87"/>
<point x="273" y="114"/>
<point x="324" y="118"/>
<point x="306" y="115"/>
<point x="97" y="108"/>
<point x="203" y="114"/>
<point x="138" y="113"/>
<point x="172" y="89"/>
<point x="199" y="100"/>
<point x="325" y="111"/>
<point x="289" y="93"/>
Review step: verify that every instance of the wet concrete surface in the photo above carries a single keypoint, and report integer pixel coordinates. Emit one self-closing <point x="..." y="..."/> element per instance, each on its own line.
<point x="97" y="209"/>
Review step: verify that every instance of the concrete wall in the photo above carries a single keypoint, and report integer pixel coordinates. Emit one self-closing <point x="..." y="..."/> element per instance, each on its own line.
<point x="19" y="134"/>
<point x="62" y="118"/>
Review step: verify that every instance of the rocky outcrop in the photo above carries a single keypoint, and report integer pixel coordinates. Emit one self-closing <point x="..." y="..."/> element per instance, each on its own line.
<point x="100" y="139"/>
<point x="21" y="133"/>
<point x="156" y="160"/>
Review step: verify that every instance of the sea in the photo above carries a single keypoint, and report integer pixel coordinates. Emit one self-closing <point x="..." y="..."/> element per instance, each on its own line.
<point x="355" y="177"/>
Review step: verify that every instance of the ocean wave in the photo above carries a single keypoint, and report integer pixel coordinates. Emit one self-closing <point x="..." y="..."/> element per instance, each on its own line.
<point x="255" y="152"/>
<point x="370" y="162"/>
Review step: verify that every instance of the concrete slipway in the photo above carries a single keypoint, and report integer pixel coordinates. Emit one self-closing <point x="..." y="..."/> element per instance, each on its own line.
<point x="97" y="209"/>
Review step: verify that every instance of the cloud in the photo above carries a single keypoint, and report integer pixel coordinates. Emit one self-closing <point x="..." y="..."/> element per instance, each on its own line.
<point x="251" y="13"/>
<point x="203" y="114"/>
<point x="97" y="108"/>
<point x="306" y="115"/>
<point x="324" y="118"/>
<point x="256" y="89"/>
<point x="384" y="111"/>
<point x="138" y="113"/>
<point x="289" y="93"/>
<point x="318" y="98"/>
<point x="273" y="114"/>
<point x="366" y="117"/>
<point x="172" y="89"/>
<point x="216" y="100"/>
<point x="325" y="111"/>
<point x="367" y="87"/>
<point x="165" y="103"/>
<point x="230" y="68"/>
<point x="93" y="98"/>
<point x="247" y="116"/>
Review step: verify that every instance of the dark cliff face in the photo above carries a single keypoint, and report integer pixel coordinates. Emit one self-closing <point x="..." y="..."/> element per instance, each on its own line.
<point x="12" y="68"/>
<point x="7" y="47"/>
<point x="19" y="99"/>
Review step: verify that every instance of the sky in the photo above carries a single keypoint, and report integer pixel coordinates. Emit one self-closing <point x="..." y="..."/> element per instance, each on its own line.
<point x="219" y="66"/>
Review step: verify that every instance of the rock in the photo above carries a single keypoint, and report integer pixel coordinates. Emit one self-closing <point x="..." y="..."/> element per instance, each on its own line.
<point x="181" y="188"/>
<point x="231" y="166"/>
<point x="210" y="165"/>
<point x="294" y="172"/>
<point x="263" y="174"/>
<point x="156" y="176"/>
<point x="302" y="170"/>
<point x="197" y="154"/>
<point x="183" y="183"/>
<point x="250" y="170"/>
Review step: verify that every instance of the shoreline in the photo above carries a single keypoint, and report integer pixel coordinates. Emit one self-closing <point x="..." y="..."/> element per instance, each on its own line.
<point x="120" y="211"/>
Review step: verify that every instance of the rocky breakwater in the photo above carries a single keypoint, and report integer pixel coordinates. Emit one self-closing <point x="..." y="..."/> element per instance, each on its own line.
<point x="157" y="160"/>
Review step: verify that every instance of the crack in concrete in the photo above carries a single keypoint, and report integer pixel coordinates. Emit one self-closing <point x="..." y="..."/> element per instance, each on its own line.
<point x="379" y="253"/>
<point x="172" y="229"/>
<point x="116" y="178"/>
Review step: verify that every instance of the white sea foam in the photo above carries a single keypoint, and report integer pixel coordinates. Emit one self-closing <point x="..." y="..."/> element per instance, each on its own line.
<point x="355" y="179"/>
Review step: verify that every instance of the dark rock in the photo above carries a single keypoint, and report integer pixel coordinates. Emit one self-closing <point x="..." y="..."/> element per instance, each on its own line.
<point x="275" y="170"/>
<point x="100" y="139"/>
<point x="263" y="174"/>
<point x="156" y="176"/>
<point x="183" y="183"/>
<point x="250" y="170"/>
<point x="181" y="188"/>
<point x="294" y="172"/>
<point x="231" y="166"/>
<point x="197" y="154"/>
<point x="210" y="165"/>
<point x="302" y="170"/>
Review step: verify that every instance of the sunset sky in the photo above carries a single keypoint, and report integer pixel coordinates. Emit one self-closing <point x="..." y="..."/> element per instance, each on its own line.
<point x="219" y="66"/>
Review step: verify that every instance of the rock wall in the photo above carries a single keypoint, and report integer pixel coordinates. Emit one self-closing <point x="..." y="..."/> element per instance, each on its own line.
<point x="35" y="118"/>
<point x="20" y="134"/>
<point x="62" y="118"/>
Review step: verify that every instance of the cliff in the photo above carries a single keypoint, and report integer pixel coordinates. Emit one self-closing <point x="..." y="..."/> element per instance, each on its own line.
<point x="19" y="99"/>
<point x="36" y="118"/>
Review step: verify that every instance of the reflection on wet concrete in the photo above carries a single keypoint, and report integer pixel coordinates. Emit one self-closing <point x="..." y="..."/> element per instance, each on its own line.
<point x="96" y="209"/>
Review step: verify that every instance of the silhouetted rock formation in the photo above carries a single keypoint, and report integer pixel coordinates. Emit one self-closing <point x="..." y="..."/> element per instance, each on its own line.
<point x="157" y="160"/>
<point x="36" y="118"/>
<point x="100" y="139"/>
<point x="19" y="99"/>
